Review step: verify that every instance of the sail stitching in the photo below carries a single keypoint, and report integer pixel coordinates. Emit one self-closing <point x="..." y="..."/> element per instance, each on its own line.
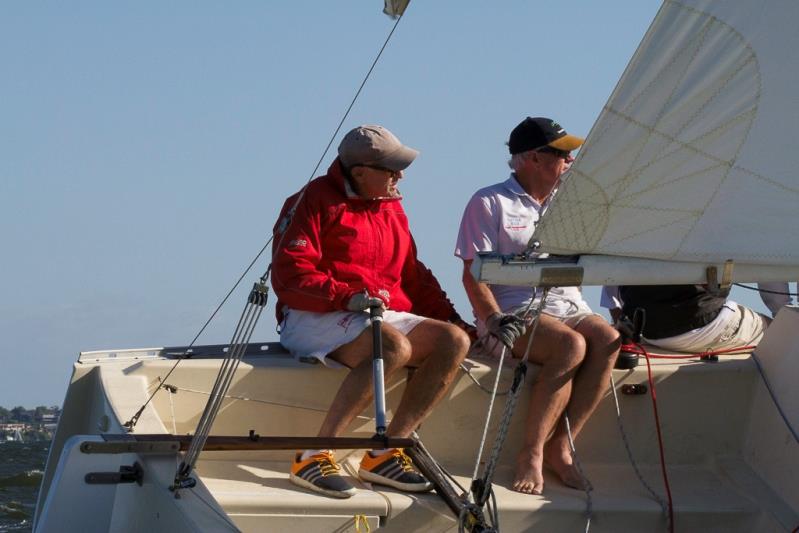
<point x="650" y="230"/>
<point x="682" y="145"/>
<point x="726" y="174"/>
<point x="752" y="59"/>
<point x="674" y="140"/>
<point x="662" y="184"/>
<point x="627" y="176"/>
<point x="694" y="45"/>
<point x="648" y="86"/>
<point x="580" y="223"/>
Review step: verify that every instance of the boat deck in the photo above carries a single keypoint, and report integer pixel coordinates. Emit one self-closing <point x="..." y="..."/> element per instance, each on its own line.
<point x="705" y="500"/>
<point x="723" y="439"/>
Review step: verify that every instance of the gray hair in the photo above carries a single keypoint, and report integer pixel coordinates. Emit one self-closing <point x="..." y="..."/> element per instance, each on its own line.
<point x="517" y="160"/>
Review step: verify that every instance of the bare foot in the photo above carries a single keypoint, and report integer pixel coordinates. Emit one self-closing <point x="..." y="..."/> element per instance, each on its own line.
<point x="559" y="460"/>
<point x="529" y="473"/>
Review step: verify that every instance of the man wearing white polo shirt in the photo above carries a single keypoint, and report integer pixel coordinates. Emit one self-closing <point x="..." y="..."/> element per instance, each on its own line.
<point x="575" y="347"/>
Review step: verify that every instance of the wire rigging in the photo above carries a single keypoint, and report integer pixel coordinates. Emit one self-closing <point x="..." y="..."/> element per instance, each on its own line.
<point x="131" y="423"/>
<point x="758" y="289"/>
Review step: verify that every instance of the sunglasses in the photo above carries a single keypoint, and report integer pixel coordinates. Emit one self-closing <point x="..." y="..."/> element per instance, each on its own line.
<point x="563" y="154"/>
<point x="392" y="173"/>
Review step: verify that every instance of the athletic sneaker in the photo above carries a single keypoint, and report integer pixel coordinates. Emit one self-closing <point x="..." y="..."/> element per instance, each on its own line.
<point x="320" y="473"/>
<point x="394" y="469"/>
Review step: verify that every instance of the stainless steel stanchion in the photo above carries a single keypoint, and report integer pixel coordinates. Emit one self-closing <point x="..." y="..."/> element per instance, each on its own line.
<point x="378" y="374"/>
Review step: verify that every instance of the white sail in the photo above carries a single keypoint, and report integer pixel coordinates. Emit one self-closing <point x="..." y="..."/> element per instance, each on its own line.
<point x="695" y="157"/>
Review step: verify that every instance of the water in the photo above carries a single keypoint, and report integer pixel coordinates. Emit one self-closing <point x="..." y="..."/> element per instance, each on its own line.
<point x="21" y="466"/>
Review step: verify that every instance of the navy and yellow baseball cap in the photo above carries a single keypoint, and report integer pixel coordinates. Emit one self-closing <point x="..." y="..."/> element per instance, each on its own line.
<point x="536" y="132"/>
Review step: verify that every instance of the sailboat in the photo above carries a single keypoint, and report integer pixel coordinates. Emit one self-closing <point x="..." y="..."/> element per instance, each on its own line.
<point x="15" y="436"/>
<point x="686" y="177"/>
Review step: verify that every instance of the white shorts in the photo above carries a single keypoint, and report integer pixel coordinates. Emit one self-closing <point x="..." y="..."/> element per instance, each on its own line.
<point x="315" y="335"/>
<point x="735" y="326"/>
<point x="575" y="313"/>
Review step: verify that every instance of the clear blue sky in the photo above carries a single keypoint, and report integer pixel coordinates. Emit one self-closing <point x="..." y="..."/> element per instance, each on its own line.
<point x="146" y="148"/>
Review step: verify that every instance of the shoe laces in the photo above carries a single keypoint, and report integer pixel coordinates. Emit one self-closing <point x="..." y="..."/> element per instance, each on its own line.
<point x="327" y="464"/>
<point x="403" y="460"/>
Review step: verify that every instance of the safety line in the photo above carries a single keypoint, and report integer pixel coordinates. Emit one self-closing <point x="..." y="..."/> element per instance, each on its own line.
<point x="267" y="402"/>
<point x="735" y="350"/>
<point x="758" y="289"/>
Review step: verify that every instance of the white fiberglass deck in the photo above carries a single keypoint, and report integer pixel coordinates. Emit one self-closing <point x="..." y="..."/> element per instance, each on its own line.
<point x="731" y="460"/>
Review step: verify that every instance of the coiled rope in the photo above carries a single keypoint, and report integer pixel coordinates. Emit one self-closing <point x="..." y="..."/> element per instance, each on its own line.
<point x="481" y="487"/>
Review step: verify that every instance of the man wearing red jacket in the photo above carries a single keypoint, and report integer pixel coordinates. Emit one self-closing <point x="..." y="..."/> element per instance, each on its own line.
<point x="342" y="245"/>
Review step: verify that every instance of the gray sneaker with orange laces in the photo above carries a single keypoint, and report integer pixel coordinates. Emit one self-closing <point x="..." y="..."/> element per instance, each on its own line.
<point x="393" y="469"/>
<point x="320" y="473"/>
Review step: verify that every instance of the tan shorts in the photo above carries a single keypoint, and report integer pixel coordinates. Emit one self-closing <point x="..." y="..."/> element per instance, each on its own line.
<point x="741" y="327"/>
<point x="314" y="335"/>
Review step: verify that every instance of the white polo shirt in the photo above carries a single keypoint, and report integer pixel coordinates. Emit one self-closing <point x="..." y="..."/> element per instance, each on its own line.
<point x="501" y="218"/>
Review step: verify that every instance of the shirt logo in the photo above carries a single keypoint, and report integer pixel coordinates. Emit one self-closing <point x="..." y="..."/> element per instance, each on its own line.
<point x="516" y="222"/>
<point x="345" y="321"/>
<point x="298" y="243"/>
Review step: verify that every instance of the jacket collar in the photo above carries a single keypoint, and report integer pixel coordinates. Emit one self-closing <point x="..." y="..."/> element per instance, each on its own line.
<point x="513" y="186"/>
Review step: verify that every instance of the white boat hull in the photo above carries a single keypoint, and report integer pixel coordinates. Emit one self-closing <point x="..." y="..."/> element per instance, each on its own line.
<point x="731" y="459"/>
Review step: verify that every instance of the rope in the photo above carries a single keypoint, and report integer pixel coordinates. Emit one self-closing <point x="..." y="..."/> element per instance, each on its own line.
<point x="736" y="350"/>
<point x="758" y="289"/>
<point x="660" y="440"/>
<point x="469" y="374"/>
<point x="267" y="402"/>
<point x="131" y="424"/>
<point x="361" y="519"/>
<point x="627" y="447"/>
<point x="172" y="412"/>
<point x="238" y="346"/>
<point x="488" y="414"/>
<point x="774" y="398"/>
<point x="587" y="487"/>
<point x="640" y="350"/>
<point x="484" y="485"/>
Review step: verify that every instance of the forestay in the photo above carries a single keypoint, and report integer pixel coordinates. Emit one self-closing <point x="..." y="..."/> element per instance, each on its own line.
<point x="695" y="157"/>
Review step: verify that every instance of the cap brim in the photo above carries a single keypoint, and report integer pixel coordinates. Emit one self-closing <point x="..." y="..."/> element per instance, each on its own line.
<point x="567" y="142"/>
<point x="399" y="159"/>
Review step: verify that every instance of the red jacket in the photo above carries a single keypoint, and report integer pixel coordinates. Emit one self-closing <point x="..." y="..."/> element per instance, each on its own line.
<point x="336" y="245"/>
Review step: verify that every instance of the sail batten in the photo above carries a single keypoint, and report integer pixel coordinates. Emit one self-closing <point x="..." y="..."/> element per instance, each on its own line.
<point x="694" y="157"/>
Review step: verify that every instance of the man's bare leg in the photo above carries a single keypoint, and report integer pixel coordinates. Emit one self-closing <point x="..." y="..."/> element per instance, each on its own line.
<point x="356" y="391"/>
<point x="560" y="351"/>
<point x="437" y="349"/>
<point x="589" y="385"/>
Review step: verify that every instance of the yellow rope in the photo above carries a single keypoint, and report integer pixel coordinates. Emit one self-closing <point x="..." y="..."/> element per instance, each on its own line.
<point x="362" y="518"/>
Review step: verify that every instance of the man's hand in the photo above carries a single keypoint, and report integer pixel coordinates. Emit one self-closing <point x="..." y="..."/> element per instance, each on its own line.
<point x="361" y="301"/>
<point x="506" y="328"/>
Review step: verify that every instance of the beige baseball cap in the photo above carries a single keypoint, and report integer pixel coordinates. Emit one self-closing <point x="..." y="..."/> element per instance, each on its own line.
<point x="372" y="145"/>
